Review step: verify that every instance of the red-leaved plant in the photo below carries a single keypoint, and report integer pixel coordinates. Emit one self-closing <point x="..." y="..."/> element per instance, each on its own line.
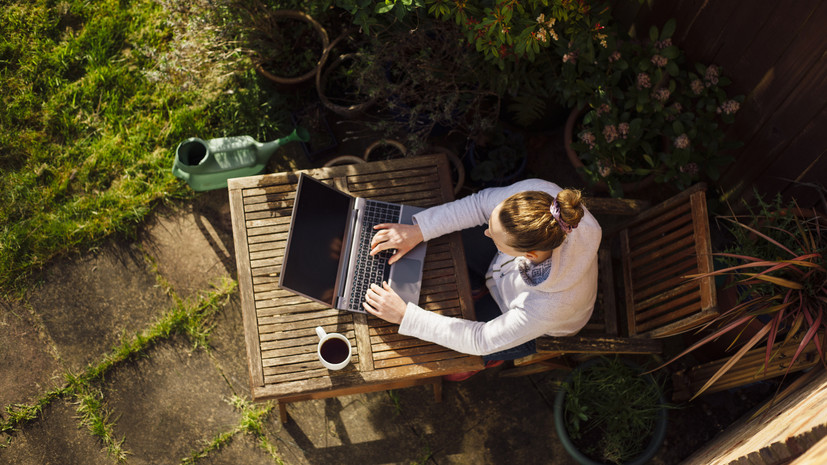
<point x="778" y="265"/>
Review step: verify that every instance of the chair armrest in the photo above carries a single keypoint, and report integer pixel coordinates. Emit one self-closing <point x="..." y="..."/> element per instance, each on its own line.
<point x="608" y="206"/>
<point x="599" y="345"/>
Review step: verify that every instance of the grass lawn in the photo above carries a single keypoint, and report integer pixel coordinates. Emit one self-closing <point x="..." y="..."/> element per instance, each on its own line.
<point x="97" y="95"/>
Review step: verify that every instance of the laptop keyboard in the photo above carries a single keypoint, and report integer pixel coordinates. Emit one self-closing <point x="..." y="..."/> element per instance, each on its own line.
<point x="369" y="269"/>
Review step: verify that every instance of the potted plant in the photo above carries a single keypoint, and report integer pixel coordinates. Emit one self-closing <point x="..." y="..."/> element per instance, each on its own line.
<point x="641" y="117"/>
<point x="321" y="139"/>
<point x="498" y="157"/>
<point x="341" y="82"/>
<point x="778" y="261"/>
<point x="287" y="46"/>
<point x="607" y="412"/>
<point x="430" y="83"/>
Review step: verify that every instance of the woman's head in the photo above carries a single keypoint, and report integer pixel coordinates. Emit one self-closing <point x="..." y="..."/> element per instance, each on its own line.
<point x="528" y="223"/>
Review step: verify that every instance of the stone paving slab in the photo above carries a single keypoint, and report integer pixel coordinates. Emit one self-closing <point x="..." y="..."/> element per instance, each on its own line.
<point x="55" y="438"/>
<point x="486" y="419"/>
<point x="192" y="246"/>
<point x="28" y="367"/>
<point x="362" y="428"/>
<point x="227" y="348"/>
<point x="87" y="303"/>
<point x="242" y="450"/>
<point x="169" y="403"/>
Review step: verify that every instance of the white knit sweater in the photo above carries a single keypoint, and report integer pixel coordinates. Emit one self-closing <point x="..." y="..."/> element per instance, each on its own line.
<point x="559" y="306"/>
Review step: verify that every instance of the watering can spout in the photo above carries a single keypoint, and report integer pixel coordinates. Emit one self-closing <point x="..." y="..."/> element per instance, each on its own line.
<point x="208" y="164"/>
<point x="267" y="149"/>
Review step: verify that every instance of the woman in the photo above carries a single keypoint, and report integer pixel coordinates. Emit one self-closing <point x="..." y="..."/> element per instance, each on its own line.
<point x="542" y="275"/>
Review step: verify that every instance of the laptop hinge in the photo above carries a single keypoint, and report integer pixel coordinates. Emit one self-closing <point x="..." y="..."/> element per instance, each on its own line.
<point x="347" y="248"/>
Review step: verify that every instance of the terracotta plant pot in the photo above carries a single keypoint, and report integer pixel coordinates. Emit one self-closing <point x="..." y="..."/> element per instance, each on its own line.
<point x="324" y="41"/>
<point x="568" y="137"/>
<point x="344" y="160"/>
<point x="373" y="154"/>
<point x="323" y="74"/>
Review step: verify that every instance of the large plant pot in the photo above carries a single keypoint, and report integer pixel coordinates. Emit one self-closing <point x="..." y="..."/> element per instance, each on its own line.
<point x="322" y="139"/>
<point x="385" y="149"/>
<point x="655" y="441"/>
<point x="568" y="137"/>
<point x="476" y="153"/>
<point x="284" y="81"/>
<point x="339" y="104"/>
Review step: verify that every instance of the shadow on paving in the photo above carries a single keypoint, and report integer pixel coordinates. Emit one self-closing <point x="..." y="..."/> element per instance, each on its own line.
<point x="485" y="420"/>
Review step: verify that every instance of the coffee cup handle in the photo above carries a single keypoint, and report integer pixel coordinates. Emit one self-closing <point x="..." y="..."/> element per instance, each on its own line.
<point x="320" y="332"/>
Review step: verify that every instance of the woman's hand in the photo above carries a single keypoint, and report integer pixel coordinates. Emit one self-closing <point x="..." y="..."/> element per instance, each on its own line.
<point x="385" y="303"/>
<point x="402" y="237"/>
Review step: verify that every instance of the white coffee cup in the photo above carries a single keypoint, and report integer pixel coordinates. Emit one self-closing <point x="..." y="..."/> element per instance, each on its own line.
<point x="333" y="350"/>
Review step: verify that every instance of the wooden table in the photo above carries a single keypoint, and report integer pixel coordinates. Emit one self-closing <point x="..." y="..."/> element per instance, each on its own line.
<point x="279" y="325"/>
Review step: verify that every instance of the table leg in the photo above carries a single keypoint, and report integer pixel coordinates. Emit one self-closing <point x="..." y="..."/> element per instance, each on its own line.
<point x="283" y="411"/>
<point x="438" y="390"/>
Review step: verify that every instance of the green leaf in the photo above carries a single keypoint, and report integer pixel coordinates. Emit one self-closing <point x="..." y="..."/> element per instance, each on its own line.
<point x="382" y="8"/>
<point x="653" y="33"/>
<point x="672" y="52"/>
<point x="668" y="29"/>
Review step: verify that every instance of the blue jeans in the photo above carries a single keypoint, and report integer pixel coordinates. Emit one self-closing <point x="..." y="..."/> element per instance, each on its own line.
<point x="479" y="252"/>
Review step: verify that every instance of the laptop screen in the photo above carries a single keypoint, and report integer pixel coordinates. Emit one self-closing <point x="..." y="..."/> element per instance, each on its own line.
<point x="311" y="260"/>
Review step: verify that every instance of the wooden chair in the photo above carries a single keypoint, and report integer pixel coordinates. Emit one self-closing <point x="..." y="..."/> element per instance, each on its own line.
<point x="656" y="249"/>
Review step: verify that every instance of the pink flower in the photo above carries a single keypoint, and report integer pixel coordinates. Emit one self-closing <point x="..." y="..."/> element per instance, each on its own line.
<point x="711" y="75"/>
<point x="697" y="86"/>
<point x="711" y="72"/>
<point x="662" y="44"/>
<point x="729" y="107"/>
<point x="690" y="168"/>
<point x="682" y="141"/>
<point x="570" y="57"/>
<point x="643" y="81"/>
<point x="588" y="138"/>
<point x="659" y="61"/>
<point x="610" y="133"/>
<point x="661" y="95"/>
<point x="623" y="129"/>
<point x="603" y="169"/>
<point x="614" y="56"/>
<point x="603" y="109"/>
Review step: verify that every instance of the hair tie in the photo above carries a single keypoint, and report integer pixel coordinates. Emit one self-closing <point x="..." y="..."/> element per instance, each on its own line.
<point x="555" y="213"/>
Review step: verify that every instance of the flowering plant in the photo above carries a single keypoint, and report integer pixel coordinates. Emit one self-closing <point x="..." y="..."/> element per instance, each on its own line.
<point x="645" y="115"/>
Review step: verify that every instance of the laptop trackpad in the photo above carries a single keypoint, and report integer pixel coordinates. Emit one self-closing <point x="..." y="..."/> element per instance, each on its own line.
<point x="405" y="279"/>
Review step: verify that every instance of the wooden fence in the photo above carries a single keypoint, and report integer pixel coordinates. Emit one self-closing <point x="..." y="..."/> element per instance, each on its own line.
<point x="776" y="55"/>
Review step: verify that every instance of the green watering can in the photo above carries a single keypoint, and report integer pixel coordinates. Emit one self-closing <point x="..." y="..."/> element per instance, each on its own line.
<point x="207" y="165"/>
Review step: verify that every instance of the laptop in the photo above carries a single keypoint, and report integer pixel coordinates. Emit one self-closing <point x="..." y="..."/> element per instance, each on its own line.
<point x="327" y="257"/>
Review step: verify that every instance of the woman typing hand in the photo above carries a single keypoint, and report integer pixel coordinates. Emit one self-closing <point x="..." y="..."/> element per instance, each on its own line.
<point x="402" y="237"/>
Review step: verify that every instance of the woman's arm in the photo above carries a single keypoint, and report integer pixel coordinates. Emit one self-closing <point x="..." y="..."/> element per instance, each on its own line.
<point x="512" y="328"/>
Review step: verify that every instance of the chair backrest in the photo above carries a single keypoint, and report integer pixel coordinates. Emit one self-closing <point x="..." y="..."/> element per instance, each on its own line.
<point x="659" y="248"/>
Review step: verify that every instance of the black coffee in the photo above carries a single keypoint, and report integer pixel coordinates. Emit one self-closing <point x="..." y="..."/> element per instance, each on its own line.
<point x="335" y="350"/>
